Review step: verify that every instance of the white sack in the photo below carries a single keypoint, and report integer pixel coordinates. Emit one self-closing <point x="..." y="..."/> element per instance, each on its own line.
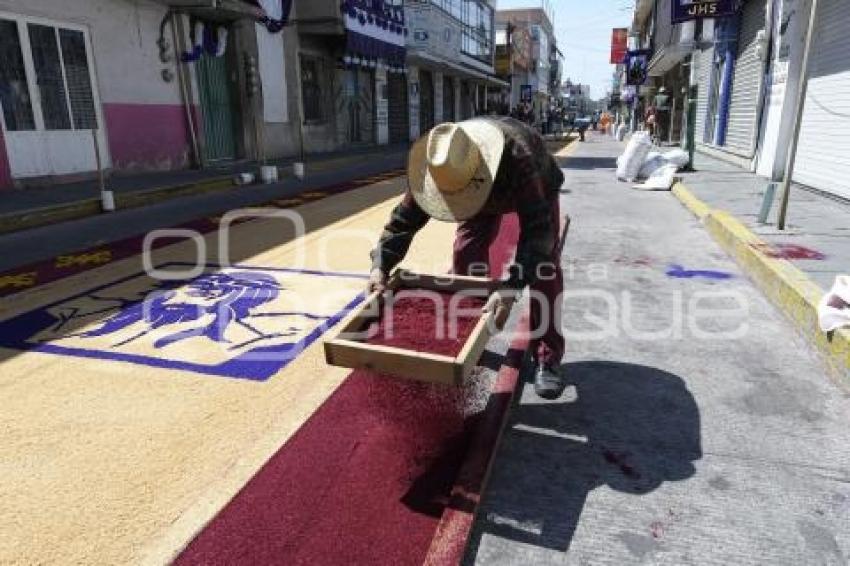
<point x="834" y="307"/>
<point x="678" y="157"/>
<point x="634" y="156"/>
<point x="660" y="180"/>
<point x="654" y="160"/>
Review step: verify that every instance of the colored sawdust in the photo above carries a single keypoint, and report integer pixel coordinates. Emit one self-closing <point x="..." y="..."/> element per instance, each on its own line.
<point x="364" y="481"/>
<point x="425" y="321"/>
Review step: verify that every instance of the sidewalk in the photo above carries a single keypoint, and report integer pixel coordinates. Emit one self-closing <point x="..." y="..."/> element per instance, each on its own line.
<point x="31" y="207"/>
<point x="817" y="236"/>
<point x="793" y="268"/>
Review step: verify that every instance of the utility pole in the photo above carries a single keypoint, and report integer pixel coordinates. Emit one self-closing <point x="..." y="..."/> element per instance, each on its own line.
<point x="802" y="89"/>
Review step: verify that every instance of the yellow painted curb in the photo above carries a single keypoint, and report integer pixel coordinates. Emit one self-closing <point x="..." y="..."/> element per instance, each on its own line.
<point x="692" y="203"/>
<point x="784" y="284"/>
<point x="568" y="149"/>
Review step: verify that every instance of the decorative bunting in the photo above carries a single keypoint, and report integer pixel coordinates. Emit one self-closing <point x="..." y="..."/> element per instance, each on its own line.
<point x="277" y="14"/>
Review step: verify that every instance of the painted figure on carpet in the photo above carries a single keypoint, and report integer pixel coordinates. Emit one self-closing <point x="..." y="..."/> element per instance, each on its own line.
<point x="228" y="298"/>
<point x="242" y="323"/>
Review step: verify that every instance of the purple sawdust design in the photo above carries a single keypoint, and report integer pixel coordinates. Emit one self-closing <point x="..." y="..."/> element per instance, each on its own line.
<point x="204" y="307"/>
<point x="680" y="272"/>
<point x="234" y="296"/>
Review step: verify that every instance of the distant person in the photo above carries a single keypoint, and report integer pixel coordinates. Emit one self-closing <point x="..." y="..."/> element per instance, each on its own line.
<point x="650" y="118"/>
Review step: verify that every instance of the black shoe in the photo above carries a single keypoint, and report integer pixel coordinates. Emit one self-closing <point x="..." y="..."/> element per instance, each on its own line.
<point x="548" y="381"/>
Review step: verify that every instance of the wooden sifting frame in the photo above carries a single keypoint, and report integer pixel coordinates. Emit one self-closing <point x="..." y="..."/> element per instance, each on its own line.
<point x="342" y="350"/>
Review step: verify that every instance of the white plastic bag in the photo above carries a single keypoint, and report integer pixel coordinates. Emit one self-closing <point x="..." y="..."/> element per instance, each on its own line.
<point x="678" y="157"/>
<point x="660" y="180"/>
<point x="654" y="160"/>
<point x="634" y="156"/>
<point x="834" y="307"/>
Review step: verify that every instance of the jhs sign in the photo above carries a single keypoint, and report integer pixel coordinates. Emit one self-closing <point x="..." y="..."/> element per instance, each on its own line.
<point x="686" y="10"/>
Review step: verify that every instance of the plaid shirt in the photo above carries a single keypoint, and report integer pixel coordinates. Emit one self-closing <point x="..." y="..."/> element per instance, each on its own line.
<point x="527" y="182"/>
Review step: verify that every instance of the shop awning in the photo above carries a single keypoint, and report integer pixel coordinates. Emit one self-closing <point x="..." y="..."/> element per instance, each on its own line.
<point x="424" y="58"/>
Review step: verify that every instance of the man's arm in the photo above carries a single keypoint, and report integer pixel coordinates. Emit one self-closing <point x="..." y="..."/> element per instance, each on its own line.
<point x="405" y="221"/>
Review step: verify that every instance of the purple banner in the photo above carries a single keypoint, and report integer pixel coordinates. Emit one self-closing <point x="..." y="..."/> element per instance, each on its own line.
<point x="686" y="10"/>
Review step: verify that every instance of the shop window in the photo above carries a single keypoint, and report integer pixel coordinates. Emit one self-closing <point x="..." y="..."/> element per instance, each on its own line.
<point x="477" y="19"/>
<point x="48" y="74"/>
<point x="311" y="90"/>
<point x="73" y="44"/>
<point x="61" y="81"/>
<point x="14" y="91"/>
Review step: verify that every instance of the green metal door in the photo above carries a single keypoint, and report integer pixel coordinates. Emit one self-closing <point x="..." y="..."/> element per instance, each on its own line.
<point x="217" y="108"/>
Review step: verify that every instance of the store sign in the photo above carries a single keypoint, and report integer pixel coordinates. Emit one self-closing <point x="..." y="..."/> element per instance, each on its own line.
<point x="619" y="38"/>
<point x="502" y="64"/>
<point x="521" y="52"/>
<point x="433" y="31"/>
<point x="637" y="67"/>
<point x="687" y="10"/>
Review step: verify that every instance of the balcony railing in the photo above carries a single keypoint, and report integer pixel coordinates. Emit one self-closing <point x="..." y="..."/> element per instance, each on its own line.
<point x="216" y="9"/>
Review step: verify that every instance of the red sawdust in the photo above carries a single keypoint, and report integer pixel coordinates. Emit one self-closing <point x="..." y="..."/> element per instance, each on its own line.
<point x="425" y="321"/>
<point x="364" y="481"/>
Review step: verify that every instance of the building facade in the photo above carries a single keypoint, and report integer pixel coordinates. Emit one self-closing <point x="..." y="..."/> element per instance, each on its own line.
<point x="139" y="86"/>
<point x="513" y="62"/>
<point x="743" y="72"/>
<point x="821" y="161"/>
<point x="537" y="84"/>
<point x="450" y="58"/>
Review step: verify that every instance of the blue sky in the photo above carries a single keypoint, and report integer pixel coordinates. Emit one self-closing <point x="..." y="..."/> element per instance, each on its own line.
<point x="583" y="30"/>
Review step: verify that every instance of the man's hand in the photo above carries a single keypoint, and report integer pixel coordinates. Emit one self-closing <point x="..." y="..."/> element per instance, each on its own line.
<point x="377" y="282"/>
<point x="500" y="304"/>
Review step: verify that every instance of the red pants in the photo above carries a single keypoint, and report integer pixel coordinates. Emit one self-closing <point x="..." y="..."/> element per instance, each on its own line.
<point x="472" y="248"/>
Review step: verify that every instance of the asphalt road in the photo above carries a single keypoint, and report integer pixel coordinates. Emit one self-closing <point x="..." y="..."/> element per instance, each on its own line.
<point x="698" y="427"/>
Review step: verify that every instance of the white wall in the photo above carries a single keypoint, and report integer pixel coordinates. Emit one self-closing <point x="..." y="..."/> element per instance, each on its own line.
<point x="413" y="101"/>
<point x="382" y="107"/>
<point x="271" y="64"/>
<point x="781" y="95"/>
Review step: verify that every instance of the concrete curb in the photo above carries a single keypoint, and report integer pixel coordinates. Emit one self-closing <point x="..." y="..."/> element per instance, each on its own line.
<point x="785" y="285"/>
<point x="448" y="545"/>
<point x="43" y="216"/>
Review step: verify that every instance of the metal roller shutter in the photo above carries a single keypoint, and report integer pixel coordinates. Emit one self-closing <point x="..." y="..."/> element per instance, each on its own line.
<point x="426" y="101"/>
<point x="749" y="70"/>
<point x="399" y="124"/>
<point x="448" y="99"/>
<point x="823" y="153"/>
<point x="703" y="73"/>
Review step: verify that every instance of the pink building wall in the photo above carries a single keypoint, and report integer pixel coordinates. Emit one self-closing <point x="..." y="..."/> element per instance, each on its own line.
<point x="5" y="173"/>
<point x="147" y="136"/>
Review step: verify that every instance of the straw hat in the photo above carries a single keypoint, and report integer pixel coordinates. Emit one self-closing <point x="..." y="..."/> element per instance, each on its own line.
<point x="451" y="170"/>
